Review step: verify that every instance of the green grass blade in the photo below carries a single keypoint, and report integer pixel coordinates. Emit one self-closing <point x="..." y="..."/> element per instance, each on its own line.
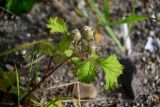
<point x="95" y="9"/>
<point x="133" y="13"/>
<point x="30" y="73"/>
<point x="18" y="89"/>
<point x="103" y="22"/>
<point x="130" y="19"/>
<point x="35" y="102"/>
<point x="113" y="35"/>
<point x="106" y="10"/>
<point x="23" y="46"/>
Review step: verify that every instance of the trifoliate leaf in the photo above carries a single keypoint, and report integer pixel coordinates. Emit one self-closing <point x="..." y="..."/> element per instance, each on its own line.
<point x="57" y="25"/>
<point x="68" y="53"/>
<point x="86" y="71"/>
<point x="112" y="69"/>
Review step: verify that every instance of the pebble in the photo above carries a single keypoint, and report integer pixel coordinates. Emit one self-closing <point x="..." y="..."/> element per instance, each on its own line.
<point x="38" y="79"/>
<point x="86" y="104"/>
<point x="149" y="45"/>
<point x="152" y="33"/>
<point x="158" y="82"/>
<point x="144" y="59"/>
<point x="101" y="83"/>
<point x="86" y="90"/>
<point x="22" y="80"/>
<point x="155" y="98"/>
<point x="28" y="35"/>
<point x="9" y="67"/>
<point x="126" y="104"/>
<point x="70" y="73"/>
<point x="145" y="81"/>
<point x="157" y="42"/>
<point x="23" y="52"/>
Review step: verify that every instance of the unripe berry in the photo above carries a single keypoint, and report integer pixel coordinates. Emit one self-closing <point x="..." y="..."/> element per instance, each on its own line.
<point x="88" y="33"/>
<point x="75" y="35"/>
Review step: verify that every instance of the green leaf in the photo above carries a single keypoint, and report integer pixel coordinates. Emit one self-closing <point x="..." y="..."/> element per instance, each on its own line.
<point x="7" y="80"/>
<point x="112" y="69"/>
<point x="57" y="25"/>
<point x="130" y="19"/>
<point x="19" y="6"/>
<point x="86" y="71"/>
<point x="63" y="44"/>
<point x="68" y="53"/>
<point x="60" y="48"/>
<point x="94" y="56"/>
<point x="59" y="56"/>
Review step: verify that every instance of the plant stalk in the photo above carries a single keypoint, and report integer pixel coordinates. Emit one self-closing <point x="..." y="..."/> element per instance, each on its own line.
<point x="45" y="77"/>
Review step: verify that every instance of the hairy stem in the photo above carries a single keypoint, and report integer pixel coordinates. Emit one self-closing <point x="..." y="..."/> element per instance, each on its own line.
<point x="49" y="65"/>
<point x="45" y="77"/>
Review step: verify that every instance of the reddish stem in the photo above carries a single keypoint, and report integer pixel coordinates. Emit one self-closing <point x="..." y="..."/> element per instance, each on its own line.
<point x="45" y="77"/>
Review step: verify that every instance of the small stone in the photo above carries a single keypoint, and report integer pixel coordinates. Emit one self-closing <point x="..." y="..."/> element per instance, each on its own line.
<point x="28" y="35"/>
<point x="38" y="79"/>
<point x="153" y="85"/>
<point x="158" y="82"/>
<point x="86" y="90"/>
<point x="126" y="104"/>
<point x="23" y="52"/>
<point x="70" y="73"/>
<point x="101" y="83"/>
<point x="16" y="53"/>
<point x="149" y="45"/>
<point x="157" y="42"/>
<point x="9" y="67"/>
<point x="156" y="78"/>
<point x="155" y="98"/>
<point x="118" y="105"/>
<point x="144" y="59"/>
<point x="22" y="80"/>
<point x="86" y="104"/>
<point x="142" y="105"/>
<point x="152" y="33"/>
<point x="137" y="104"/>
<point x="145" y="81"/>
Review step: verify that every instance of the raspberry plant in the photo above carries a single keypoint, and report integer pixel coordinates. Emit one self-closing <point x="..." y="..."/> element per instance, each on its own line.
<point x="79" y="45"/>
<point x="76" y="47"/>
